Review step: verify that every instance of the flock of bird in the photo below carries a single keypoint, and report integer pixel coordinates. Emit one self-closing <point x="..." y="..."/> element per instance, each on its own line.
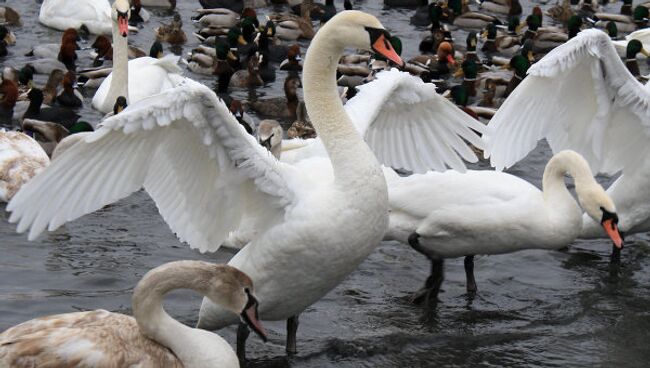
<point x="306" y="210"/>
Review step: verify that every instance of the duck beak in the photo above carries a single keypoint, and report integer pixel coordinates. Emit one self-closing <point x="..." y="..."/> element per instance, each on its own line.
<point x="123" y="24"/>
<point x="385" y="49"/>
<point x="645" y="52"/>
<point x="231" y="56"/>
<point x="531" y="57"/>
<point x="459" y="73"/>
<point x="612" y="231"/>
<point x="250" y="316"/>
<point x="241" y="40"/>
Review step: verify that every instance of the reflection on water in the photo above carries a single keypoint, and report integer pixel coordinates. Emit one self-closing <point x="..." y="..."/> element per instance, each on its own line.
<point x="534" y="308"/>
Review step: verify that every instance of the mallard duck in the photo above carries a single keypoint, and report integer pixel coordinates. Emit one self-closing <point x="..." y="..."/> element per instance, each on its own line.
<point x="519" y="64"/>
<point x="267" y="45"/>
<point x="624" y="23"/>
<point x="217" y="18"/>
<point x="289" y="27"/>
<point x="172" y="33"/>
<point x="49" y="135"/>
<point x="208" y="60"/>
<point x="55" y="114"/>
<point x="634" y="47"/>
<point x="510" y="7"/>
<point x="461" y="16"/>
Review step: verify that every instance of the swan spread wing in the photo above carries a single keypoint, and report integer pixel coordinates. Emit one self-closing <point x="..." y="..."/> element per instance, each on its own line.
<point x="188" y="152"/>
<point x="581" y="97"/>
<point x="408" y="125"/>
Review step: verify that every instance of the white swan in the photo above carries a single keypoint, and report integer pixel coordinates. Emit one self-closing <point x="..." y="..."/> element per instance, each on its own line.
<point x="21" y="158"/>
<point x="64" y="14"/>
<point x="135" y="79"/>
<point x="451" y="214"/>
<point x="581" y="97"/>
<point x="316" y="220"/>
<point x="151" y="338"/>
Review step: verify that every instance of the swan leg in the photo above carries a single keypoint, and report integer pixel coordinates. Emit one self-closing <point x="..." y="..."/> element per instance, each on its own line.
<point x="292" y="328"/>
<point x="429" y="293"/>
<point x="242" y="334"/>
<point x="469" y="274"/>
<point x="615" y="258"/>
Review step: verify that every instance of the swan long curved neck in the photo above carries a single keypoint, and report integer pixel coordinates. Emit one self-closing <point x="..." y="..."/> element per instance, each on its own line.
<point x="148" y="296"/>
<point x="566" y="162"/>
<point x="343" y="143"/>
<point x="120" y="78"/>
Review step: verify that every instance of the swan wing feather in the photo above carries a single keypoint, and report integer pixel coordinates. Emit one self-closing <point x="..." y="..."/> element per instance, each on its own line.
<point x="408" y="125"/>
<point x="188" y="152"/>
<point x="580" y="96"/>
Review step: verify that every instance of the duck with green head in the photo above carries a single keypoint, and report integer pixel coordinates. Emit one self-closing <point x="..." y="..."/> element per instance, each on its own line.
<point x="520" y="64"/>
<point x="574" y="25"/>
<point x="612" y="30"/>
<point x="634" y="47"/>
<point x="490" y="34"/>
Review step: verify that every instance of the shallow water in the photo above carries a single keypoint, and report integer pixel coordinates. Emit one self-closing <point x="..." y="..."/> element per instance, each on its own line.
<point x="534" y="308"/>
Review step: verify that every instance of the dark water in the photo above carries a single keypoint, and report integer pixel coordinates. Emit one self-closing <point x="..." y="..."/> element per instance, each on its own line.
<point x="534" y="308"/>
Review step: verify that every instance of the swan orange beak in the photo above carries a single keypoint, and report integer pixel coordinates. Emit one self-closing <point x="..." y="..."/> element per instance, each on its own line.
<point x="251" y="317"/>
<point x="612" y="231"/>
<point x="123" y="24"/>
<point x="384" y="48"/>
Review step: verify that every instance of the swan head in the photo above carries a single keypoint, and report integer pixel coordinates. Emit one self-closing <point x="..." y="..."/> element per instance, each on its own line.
<point x="269" y="135"/>
<point x="353" y="28"/>
<point x="600" y="207"/>
<point x="121" y="13"/>
<point x="233" y="289"/>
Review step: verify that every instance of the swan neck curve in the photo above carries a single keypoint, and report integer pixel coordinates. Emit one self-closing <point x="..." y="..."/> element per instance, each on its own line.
<point x="153" y="320"/>
<point x="120" y="79"/>
<point x="554" y="188"/>
<point x="345" y="147"/>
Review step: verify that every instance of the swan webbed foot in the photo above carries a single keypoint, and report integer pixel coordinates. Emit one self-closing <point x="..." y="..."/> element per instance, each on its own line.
<point x="469" y="275"/>
<point x="292" y="329"/>
<point x="242" y="334"/>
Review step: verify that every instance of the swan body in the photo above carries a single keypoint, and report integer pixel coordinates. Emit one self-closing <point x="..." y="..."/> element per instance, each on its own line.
<point x="587" y="101"/>
<point x="149" y="339"/>
<point x="134" y="79"/>
<point x="63" y="14"/>
<point x="316" y="220"/>
<point x="491" y="212"/>
<point x="21" y="158"/>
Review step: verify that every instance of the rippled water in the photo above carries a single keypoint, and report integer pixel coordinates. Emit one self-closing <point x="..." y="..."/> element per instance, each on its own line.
<point x="534" y="308"/>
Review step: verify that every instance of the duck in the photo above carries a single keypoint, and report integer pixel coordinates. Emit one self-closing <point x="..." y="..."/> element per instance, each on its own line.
<point x="63" y="116"/>
<point x="304" y="206"/>
<point x="7" y="36"/>
<point x="22" y="159"/>
<point x="70" y="96"/>
<point x="281" y="108"/>
<point x="591" y="122"/>
<point x="250" y="77"/>
<point x="633" y="48"/>
<point x="104" y="50"/>
<point x="519" y="63"/>
<point x="216" y="18"/>
<point x="138" y="14"/>
<point x="509" y="7"/>
<point x="561" y="13"/>
<point x="461" y="16"/>
<point x="53" y="50"/>
<point x="151" y="337"/>
<point x="8" y="99"/>
<point x="289" y="27"/>
<point x="421" y="17"/>
<point x="267" y="44"/>
<point x="95" y="15"/>
<point x="212" y="60"/>
<point x="624" y="23"/>
<point x="51" y="88"/>
<point x="49" y="135"/>
<point x="642" y="35"/>
<point x="135" y="79"/>
<point x="293" y="62"/>
<point x="516" y="214"/>
<point x="172" y="33"/>
<point x="9" y="16"/>
<point x="267" y="70"/>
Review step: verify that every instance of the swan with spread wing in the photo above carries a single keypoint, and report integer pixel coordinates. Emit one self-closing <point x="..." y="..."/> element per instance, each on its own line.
<point x="581" y="97"/>
<point x="317" y="219"/>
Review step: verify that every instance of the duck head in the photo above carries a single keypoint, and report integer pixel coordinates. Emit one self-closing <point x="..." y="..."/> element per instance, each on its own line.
<point x="156" y="50"/>
<point x="635" y="47"/>
<point x="121" y="12"/>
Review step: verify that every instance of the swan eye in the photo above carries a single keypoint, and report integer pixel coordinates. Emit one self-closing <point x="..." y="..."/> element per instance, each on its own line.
<point x="608" y="216"/>
<point x="375" y="33"/>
